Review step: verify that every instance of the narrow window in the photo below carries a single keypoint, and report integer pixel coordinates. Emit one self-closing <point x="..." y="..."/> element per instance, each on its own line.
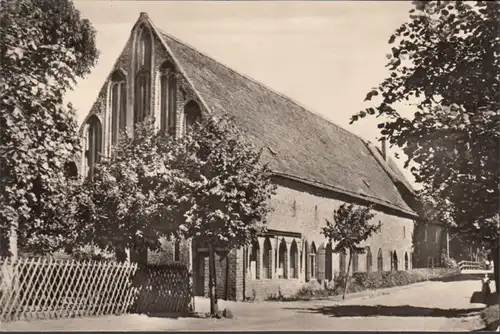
<point x="177" y="251"/>
<point x="406" y="261"/>
<point x="118" y="105"/>
<point x="266" y="259"/>
<point x="283" y="260"/>
<point x="294" y="260"/>
<point x="369" y="260"/>
<point x="380" y="260"/>
<point x="342" y="263"/>
<point x="312" y="261"/>
<point x="192" y="114"/>
<point x="94" y="143"/>
<point x="168" y="88"/>
<point x="142" y="92"/>
<point x="355" y="262"/>
<point x="254" y="261"/>
<point x="394" y="262"/>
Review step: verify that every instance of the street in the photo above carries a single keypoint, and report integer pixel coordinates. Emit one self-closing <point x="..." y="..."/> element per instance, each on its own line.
<point x="429" y="306"/>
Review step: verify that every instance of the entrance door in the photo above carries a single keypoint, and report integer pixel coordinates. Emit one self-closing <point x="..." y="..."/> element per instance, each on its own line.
<point x="200" y="275"/>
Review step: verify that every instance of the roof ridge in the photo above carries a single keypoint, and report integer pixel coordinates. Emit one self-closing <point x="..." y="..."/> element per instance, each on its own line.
<point x="262" y="85"/>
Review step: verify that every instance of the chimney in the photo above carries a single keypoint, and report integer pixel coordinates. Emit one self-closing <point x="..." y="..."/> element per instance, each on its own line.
<point x="384" y="148"/>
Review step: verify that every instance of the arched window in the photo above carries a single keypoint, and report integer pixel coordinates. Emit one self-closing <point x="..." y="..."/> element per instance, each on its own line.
<point x="369" y="260"/>
<point x="254" y="260"/>
<point x="328" y="262"/>
<point x="168" y="99"/>
<point x="177" y="251"/>
<point x="294" y="260"/>
<point x="143" y="49"/>
<point x="267" y="256"/>
<point x="312" y="261"/>
<point x="283" y="259"/>
<point x="143" y="76"/>
<point x="407" y="266"/>
<point x="355" y="262"/>
<point x="436" y="261"/>
<point x="380" y="260"/>
<point x="342" y="263"/>
<point x="118" y="105"/>
<point x="320" y="271"/>
<point x="192" y="114"/>
<point x="394" y="261"/>
<point x="430" y="262"/>
<point x="94" y="143"/>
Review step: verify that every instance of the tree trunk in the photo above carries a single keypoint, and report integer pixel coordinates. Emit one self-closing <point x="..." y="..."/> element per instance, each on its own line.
<point x="496" y="271"/>
<point x="347" y="274"/>
<point x="212" y="282"/>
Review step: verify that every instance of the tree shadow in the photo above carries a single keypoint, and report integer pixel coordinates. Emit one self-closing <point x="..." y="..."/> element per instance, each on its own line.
<point x="174" y="315"/>
<point x="390" y="311"/>
<point x="462" y="277"/>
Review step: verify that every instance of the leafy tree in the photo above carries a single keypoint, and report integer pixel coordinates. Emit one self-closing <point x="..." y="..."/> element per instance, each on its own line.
<point x="229" y="189"/>
<point x="445" y="61"/>
<point x="45" y="47"/>
<point x="207" y="185"/>
<point x="133" y="198"/>
<point x="350" y="227"/>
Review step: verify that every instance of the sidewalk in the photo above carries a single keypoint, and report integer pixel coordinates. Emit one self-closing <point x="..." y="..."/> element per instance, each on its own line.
<point x="244" y="312"/>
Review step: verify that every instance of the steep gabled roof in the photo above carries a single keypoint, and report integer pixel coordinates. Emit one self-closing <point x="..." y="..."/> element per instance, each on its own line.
<point x="297" y="143"/>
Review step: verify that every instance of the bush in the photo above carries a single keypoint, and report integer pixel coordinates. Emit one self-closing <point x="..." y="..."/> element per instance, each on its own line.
<point x="448" y="262"/>
<point x="491" y="317"/>
<point x="361" y="281"/>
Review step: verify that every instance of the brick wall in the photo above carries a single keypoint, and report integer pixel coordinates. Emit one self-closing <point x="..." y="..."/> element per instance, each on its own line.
<point x="303" y="209"/>
<point x="166" y="254"/>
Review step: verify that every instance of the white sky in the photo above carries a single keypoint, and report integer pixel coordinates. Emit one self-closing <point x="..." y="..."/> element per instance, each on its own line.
<point x="326" y="55"/>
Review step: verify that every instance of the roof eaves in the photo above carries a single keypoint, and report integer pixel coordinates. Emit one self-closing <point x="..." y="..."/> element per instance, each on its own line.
<point x="369" y="198"/>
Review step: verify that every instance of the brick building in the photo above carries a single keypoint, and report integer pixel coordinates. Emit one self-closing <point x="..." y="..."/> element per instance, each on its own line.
<point x="317" y="166"/>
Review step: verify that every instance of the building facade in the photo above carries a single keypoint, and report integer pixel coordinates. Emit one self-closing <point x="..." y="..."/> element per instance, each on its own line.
<point x="317" y="166"/>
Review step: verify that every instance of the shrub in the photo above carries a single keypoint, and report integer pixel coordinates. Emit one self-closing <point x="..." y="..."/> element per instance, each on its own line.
<point x="448" y="262"/>
<point x="361" y="281"/>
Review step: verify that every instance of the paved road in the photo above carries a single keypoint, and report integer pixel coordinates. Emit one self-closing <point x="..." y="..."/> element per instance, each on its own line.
<point x="436" y="306"/>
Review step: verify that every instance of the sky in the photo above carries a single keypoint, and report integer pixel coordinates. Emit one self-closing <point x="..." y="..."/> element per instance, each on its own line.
<point x="326" y="55"/>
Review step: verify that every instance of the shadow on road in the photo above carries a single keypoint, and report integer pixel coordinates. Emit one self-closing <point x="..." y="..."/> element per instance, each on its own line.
<point x="391" y="311"/>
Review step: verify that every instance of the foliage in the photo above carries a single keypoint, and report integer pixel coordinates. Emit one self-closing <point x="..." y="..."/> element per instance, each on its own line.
<point x="491" y="317"/>
<point x="349" y="228"/>
<point x="46" y="46"/>
<point x="362" y="281"/>
<point x="135" y="197"/>
<point x="448" y="262"/>
<point x="445" y="62"/>
<point x="229" y="189"/>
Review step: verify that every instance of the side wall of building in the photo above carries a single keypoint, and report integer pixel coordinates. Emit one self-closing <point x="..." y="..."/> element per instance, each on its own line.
<point x="303" y="209"/>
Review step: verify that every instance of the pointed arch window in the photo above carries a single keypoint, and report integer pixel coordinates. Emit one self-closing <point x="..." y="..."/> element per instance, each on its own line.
<point x="369" y="260"/>
<point x="267" y="256"/>
<point x="168" y="98"/>
<point x="192" y="114"/>
<point x="94" y="143"/>
<point x="142" y="91"/>
<point x="342" y="263"/>
<point x="312" y="261"/>
<point x="118" y="105"/>
<point x="380" y="260"/>
<point x="394" y="261"/>
<point x="355" y="262"/>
